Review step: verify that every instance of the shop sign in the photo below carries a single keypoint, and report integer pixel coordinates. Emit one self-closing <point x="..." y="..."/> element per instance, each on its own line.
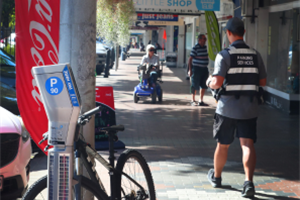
<point x="107" y="116"/>
<point x="180" y="22"/>
<point x="176" y="6"/>
<point x="226" y="11"/>
<point x="157" y="17"/>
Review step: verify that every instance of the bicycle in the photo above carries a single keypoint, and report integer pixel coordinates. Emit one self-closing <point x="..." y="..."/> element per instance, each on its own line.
<point x="124" y="183"/>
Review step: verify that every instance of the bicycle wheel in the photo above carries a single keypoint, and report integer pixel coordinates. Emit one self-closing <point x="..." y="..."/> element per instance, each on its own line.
<point x="38" y="191"/>
<point x="134" y="164"/>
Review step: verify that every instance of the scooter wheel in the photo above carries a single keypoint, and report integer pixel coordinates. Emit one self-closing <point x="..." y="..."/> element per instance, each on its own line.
<point x="160" y="96"/>
<point x="154" y="96"/>
<point x="135" y="98"/>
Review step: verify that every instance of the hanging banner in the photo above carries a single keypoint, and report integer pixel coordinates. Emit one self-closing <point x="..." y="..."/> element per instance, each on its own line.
<point x="214" y="44"/>
<point x="176" y="6"/>
<point x="37" y="39"/>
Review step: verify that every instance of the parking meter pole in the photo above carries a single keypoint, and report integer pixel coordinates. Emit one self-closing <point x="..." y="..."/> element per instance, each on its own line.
<point x="62" y="103"/>
<point x="117" y="57"/>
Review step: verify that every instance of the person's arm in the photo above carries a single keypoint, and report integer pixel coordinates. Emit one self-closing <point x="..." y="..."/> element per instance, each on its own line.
<point x="190" y="66"/>
<point x="263" y="82"/>
<point x="216" y="80"/>
<point x="190" y="63"/>
<point x="261" y="70"/>
<point x="143" y="60"/>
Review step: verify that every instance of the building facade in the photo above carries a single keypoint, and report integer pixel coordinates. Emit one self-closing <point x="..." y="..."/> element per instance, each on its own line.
<point x="273" y="29"/>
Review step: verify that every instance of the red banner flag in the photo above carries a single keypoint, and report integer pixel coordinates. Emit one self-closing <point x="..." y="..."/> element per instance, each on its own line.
<point x="37" y="42"/>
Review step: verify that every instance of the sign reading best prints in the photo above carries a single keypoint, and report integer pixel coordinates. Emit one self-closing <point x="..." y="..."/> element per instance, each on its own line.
<point x="176" y="6"/>
<point x="157" y="17"/>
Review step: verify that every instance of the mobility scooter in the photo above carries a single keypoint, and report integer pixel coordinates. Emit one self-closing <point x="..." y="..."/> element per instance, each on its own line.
<point x="144" y="89"/>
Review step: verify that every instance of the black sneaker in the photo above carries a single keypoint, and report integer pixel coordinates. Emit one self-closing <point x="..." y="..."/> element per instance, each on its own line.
<point x="215" y="182"/>
<point x="202" y="103"/>
<point x="248" y="189"/>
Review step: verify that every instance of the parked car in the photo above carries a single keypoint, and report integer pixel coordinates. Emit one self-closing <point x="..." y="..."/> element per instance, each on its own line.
<point x="8" y="69"/>
<point x="11" y="40"/>
<point x="101" y="57"/>
<point x="15" y="156"/>
<point x="8" y="98"/>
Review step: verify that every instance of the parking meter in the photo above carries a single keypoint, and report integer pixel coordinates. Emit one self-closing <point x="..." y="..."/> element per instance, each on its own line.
<point x="62" y="104"/>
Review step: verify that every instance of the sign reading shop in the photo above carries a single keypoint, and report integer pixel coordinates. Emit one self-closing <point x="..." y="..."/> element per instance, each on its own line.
<point x="176" y="6"/>
<point x="157" y="17"/>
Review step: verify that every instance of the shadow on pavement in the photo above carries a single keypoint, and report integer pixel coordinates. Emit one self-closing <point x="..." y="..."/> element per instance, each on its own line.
<point x="175" y="132"/>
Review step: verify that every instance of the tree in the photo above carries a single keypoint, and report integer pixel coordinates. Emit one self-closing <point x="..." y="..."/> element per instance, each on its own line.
<point x="7" y="9"/>
<point x="114" y="18"/>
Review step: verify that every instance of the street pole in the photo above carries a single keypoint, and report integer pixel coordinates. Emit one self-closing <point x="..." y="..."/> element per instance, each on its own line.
<point x="117" y="57"/>
<point x="77" y="46"/>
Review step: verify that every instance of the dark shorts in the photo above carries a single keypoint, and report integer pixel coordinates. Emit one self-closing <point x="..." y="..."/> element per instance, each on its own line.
<point x="199" y="77"/>
<point x="225" y="128"/>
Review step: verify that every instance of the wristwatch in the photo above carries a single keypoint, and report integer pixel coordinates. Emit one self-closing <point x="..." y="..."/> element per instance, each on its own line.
<point x="208" y="83"/>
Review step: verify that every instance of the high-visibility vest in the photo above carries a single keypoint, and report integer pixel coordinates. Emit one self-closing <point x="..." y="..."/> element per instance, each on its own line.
<point x="242" y="78"/>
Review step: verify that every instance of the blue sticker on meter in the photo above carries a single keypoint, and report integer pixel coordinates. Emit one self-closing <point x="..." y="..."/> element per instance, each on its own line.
<point x="70" y="87"/>
<point x="54" y="85"/>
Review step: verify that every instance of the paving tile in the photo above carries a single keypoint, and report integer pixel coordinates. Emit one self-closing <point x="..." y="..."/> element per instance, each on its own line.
<point x="176" y="140"/>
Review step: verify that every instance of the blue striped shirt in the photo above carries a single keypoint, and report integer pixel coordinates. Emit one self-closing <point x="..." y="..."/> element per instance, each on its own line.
<point x="199" y="55"/>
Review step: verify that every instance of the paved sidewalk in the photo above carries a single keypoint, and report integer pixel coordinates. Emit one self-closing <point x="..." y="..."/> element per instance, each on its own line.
<point x="176" y="139"/>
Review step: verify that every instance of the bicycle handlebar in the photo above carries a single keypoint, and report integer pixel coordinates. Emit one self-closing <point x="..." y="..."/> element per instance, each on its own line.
<point x="82" y="120"/>
<point x="90" y="113"/>
<point x="85" y="117"/>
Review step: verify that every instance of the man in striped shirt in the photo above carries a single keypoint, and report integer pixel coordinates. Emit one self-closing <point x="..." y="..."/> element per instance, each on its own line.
<point x="198" y="70"/>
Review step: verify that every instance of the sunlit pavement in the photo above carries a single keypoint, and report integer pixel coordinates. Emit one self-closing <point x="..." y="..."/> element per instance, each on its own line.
<point x="176" y="139"/>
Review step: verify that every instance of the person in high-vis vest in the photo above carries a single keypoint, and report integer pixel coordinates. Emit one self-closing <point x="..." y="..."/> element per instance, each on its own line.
<point x="239" y="72"/>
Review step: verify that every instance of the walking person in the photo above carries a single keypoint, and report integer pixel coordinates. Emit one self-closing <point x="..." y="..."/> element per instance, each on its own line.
<point x="239" y="70"/>
<point x="198" y="70"/>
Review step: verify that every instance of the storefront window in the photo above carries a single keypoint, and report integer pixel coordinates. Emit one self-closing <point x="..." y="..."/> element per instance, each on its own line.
<point x="283" y="51"/>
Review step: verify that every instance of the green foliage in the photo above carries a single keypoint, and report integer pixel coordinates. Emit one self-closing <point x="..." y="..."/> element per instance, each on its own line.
<point x="8" y="13"/>
<point x="114" y="18"/>
<point x="10" y="49"/>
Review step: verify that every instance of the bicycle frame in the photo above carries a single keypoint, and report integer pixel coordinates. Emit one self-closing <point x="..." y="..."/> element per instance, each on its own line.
<point x="83" y="152"/>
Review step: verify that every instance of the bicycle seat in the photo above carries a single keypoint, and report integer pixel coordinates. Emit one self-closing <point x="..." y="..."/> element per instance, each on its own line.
<point x="114" y="128"/>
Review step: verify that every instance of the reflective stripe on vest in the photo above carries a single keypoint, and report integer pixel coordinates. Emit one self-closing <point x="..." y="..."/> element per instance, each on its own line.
<point x="233" y="50"/>
<point x="242" y="77"/>
<point x="241" y="88"/>
<point x="243" y="70"/>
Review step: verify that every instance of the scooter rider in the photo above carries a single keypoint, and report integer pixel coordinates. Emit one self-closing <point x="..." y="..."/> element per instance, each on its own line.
<point x="153" y="61"/>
